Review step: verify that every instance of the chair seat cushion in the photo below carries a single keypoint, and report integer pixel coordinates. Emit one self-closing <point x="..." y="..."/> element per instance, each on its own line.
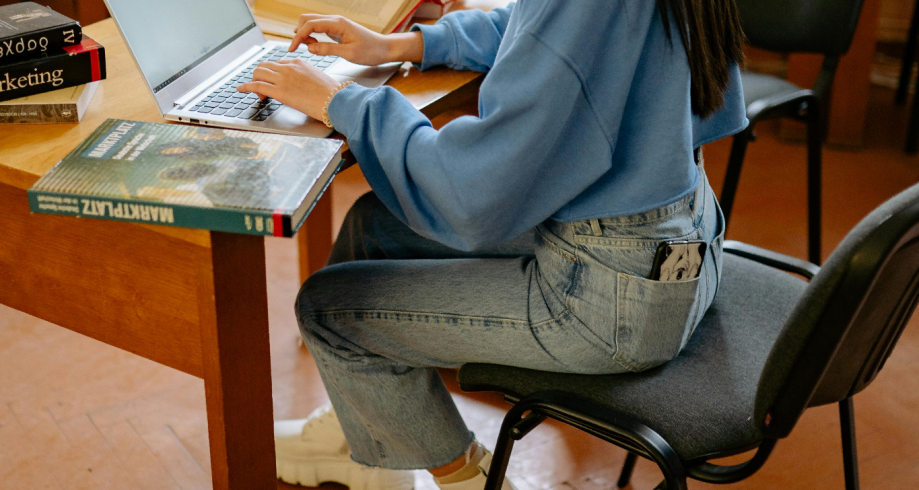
<point x="702" y="401"/>
<point x="763" y="92"/>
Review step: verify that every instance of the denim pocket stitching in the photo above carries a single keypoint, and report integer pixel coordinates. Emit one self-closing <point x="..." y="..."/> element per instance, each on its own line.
<point x="575" y="280"/>
<point x="620" y="300"/>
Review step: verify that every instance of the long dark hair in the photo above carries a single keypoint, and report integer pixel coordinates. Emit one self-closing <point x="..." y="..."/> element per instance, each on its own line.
<point x="713" y="39"/>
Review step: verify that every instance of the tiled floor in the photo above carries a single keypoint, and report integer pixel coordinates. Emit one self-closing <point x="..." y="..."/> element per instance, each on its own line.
<point x="77" y="414"/>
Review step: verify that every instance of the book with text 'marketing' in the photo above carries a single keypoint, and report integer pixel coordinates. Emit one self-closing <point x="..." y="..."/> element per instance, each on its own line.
<point x="65" y="67"/>
<point x="190" y="176"/>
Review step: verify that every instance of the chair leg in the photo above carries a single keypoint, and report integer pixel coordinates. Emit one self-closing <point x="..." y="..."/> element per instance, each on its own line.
<point x="909" y="58"/>
<point x="814" y="182"/>
<point x="503" y="447"/>
<point x="627" y="468"/>
<point x="912" y="132"/>
<point x="849" y="450"/>
<point x="732" y="176"/>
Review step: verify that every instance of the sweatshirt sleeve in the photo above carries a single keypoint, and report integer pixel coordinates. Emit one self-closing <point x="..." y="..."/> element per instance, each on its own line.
<point x="464" y="40"/>
<point x="481" y="180"/>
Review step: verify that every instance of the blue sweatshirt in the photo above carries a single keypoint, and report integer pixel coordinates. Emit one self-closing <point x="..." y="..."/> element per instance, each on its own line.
<point x="584" y="113"/>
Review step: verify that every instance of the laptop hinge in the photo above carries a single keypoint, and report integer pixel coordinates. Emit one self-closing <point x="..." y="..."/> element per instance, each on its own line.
<point x="191" y="94"/>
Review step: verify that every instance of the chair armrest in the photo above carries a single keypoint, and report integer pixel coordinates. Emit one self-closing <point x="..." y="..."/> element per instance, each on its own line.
<point x="772" y="259"/>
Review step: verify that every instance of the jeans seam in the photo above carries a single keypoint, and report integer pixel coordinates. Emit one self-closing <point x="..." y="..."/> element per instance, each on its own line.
<point x="517" y="323"/>
<point x="575" y="279"/>
<point x="355" y="312"/>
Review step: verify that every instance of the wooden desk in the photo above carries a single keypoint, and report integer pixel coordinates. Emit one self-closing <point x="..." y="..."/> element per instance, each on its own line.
<point x="189" y="299"/>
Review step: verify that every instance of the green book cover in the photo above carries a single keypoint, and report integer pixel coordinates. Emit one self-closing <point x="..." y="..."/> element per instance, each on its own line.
<point x="190" y="176"/>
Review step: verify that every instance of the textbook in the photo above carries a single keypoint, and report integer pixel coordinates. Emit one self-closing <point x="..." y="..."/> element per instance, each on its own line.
<point x="29" y="30"/>
<point x="65" y="67"/>
<point x="190" y="176"/>
<point x="66" y="105"/>
<point x="383" y="16"/>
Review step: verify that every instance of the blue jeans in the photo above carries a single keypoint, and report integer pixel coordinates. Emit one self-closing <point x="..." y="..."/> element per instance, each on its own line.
<point x="567" y="297"/>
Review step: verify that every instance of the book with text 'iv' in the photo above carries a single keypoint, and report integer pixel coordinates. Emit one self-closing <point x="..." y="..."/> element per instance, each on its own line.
<point x="190" y="176"/>
<point x="29" y="30"/>
<point x="65" y="67"/>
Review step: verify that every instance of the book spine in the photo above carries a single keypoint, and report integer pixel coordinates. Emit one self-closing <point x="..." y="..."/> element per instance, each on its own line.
<point x="39" y="113"/>
<point x="38" y="43"/>
<point x="247" y="222"/>
<point x="402" y="25"/>
<point x="79" y="64"/>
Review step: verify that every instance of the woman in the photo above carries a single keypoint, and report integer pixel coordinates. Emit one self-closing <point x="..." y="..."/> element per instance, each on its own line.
<point x="525" y="236"/>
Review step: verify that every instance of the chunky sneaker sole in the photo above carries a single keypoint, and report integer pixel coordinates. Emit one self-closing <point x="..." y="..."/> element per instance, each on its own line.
<point x="313" y="451"/>
<point x="318" y="470"/>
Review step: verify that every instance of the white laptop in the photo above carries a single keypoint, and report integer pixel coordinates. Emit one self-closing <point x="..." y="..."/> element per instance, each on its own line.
<point x="193" y="54"/>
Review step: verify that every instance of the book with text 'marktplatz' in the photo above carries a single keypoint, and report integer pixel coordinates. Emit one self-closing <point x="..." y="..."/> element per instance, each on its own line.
<point x="29" y="30"/>
<point x="65" y="67"/>
<point x="190" y="176"/>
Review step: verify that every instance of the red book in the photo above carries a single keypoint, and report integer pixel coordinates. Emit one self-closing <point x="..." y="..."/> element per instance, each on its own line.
<point x="66" y="67"/>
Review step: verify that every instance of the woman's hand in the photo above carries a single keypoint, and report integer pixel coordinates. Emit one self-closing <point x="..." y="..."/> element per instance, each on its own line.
<point x="294" y="83"/>
<point x="355" y="42"/>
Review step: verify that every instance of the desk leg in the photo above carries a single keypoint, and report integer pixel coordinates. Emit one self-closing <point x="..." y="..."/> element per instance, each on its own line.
<point x="315" y="236"/>
<point x="237" y="363"/>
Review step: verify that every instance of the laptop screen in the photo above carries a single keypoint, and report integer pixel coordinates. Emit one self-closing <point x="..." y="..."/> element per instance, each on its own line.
<point x="170" y="37"/>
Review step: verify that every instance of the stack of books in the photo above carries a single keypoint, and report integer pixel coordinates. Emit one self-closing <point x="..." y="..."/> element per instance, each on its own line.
<point x="383" y="16"/>
<point x="48" y="68"/>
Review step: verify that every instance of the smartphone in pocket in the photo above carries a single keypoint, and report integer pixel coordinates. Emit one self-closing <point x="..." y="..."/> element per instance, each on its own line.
<point x="678" y="260"/>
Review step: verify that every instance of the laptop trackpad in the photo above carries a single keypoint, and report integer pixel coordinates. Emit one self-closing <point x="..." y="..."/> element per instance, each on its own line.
<point x="291" y="120"/>
<point x="368" y="76"/>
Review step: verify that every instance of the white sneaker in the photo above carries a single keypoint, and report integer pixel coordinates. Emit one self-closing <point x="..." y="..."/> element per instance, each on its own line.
<point x="313" y="450"/>
<point x="477" y="482"/>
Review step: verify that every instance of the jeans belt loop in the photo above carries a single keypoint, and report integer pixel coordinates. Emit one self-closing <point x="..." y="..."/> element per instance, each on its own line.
<point x="595" y="227"/>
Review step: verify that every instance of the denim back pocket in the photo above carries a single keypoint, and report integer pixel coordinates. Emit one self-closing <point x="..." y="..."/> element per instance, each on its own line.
<point x="653" y="319"/>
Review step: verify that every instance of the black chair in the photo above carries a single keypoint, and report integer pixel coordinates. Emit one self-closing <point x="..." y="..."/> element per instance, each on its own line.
<point x="906" y="73"/>
<point x="816" y="26"/>
<point x="771" y="346"/>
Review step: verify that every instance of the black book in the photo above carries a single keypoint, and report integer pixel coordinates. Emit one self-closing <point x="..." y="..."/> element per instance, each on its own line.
<point x="29" y="30"/>
<point x="65" y="67"/>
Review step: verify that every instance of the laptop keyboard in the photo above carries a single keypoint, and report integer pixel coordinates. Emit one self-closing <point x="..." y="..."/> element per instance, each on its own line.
<point x="226" y="101"/>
